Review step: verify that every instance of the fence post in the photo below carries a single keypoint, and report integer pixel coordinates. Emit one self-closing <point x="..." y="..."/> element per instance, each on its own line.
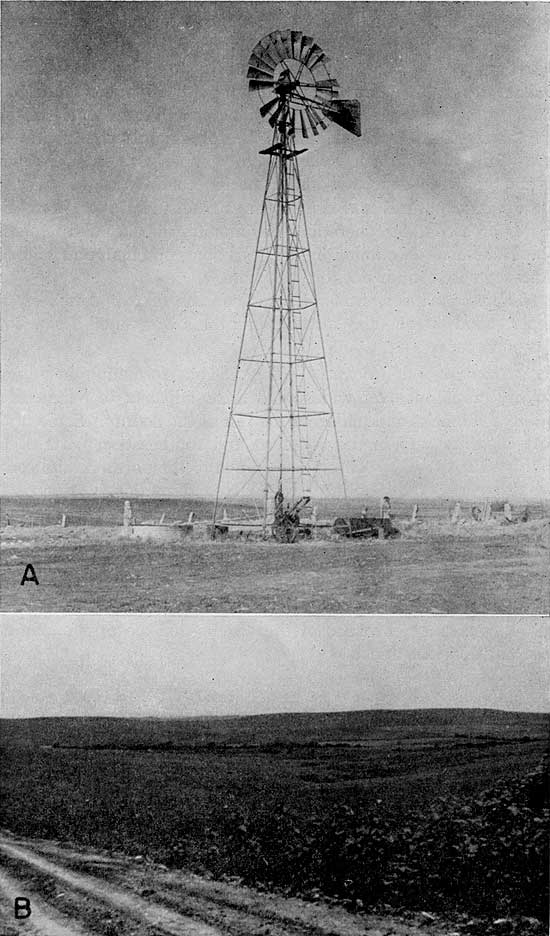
<point x="127" y="515"/>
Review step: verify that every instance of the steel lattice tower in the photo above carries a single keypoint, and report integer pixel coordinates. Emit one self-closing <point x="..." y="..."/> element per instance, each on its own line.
<point x="281" y="432"/>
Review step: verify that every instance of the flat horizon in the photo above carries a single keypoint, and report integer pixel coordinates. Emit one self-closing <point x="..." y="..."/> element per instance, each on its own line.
<point x="356" y="496"/>
<point x="287" y="714"/>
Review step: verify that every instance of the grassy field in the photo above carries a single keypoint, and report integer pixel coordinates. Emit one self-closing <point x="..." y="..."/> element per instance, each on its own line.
<point x="369" y="808"/>
<point x="425" y="572"/>
<point x="436" y="567"/>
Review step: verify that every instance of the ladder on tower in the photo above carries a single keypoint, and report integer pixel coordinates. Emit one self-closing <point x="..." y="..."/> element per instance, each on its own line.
<point x="296" y="329"/>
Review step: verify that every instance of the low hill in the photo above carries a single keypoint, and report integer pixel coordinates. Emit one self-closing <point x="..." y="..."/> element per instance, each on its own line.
<point x="365" y="727"/>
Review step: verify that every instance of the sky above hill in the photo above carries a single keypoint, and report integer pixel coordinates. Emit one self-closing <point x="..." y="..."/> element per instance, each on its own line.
<point x="173" y="665"/>
<point x="132" y="189"/>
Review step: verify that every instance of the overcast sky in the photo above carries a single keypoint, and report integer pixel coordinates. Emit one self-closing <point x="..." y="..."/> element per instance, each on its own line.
<point x="176" y="665"/>
<point x="132" y="189"/>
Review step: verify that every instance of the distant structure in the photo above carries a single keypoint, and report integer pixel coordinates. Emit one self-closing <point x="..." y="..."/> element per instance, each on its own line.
<point x="281" y="432"/>
<point x="127" y="518"/>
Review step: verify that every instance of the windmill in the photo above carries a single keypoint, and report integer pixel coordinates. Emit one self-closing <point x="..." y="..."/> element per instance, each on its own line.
<point x="281" y="439"/>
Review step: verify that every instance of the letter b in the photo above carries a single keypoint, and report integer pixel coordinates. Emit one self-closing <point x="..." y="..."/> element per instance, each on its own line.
<point x="21" y="908"/>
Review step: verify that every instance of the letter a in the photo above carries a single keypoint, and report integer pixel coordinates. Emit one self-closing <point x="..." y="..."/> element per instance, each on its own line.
<point x="21" y="908"/>
<point x="29" y="575"/>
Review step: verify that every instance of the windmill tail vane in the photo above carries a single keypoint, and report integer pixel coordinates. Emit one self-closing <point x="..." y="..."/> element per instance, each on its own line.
<point x="281" y="439"/>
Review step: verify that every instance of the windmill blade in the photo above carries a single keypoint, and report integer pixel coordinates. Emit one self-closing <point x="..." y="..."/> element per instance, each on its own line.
<point x="296" y="38"/>
<point x="346" y="114"/>
<point x="279" y="45"/>
<point x="286" y="39"/>
<point x="322" y="62"/>
<point x="321" y="59"/>
<point x="257" y="84"/>
<point x="264" y="51"/>
<point x="319" y="120"/>
<point x="260" y="74"/>
<point x="312" y="122"/>
<point x="305" y="134"/>
<point x="292" y="130"/>
<point x="314" y="55"/>
<point x="312" y="116"/>
<point x="328" y="84"/>
<point x="275" y="115"/>
<point x="307" y="41"/>
<point x="274" y="51"/>
<point x="269" y="106"/>
<point x="260" y="65"/>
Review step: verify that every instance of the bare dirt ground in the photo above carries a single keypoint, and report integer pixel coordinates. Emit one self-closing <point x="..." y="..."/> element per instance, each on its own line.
<point x="432" y="569"/>
<point x="79" y="893"/>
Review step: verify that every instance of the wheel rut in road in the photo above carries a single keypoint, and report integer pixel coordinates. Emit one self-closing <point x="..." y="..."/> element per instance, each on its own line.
<point x="161" y="918"/>
<point x="44" y="920"/>
<point x="100" y="894"/>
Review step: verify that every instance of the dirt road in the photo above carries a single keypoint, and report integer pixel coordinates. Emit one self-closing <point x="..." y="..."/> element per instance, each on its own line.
<point x="76" y="893"/>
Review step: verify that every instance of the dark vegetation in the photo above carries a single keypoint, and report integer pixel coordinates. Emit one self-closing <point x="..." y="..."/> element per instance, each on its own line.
<point x="445" y="811"/>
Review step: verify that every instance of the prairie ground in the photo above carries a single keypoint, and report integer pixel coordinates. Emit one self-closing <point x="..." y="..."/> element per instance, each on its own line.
<point x="428" y="570"/>
<point x="420" y="818"/>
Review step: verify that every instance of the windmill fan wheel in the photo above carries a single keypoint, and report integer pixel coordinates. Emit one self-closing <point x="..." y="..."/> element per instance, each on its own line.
<point x="289" y="71"/>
